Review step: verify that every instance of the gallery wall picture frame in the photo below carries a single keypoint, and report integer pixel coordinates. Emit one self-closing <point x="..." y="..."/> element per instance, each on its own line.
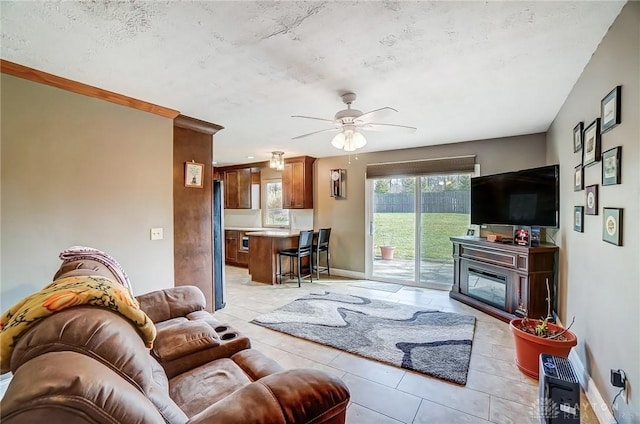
<point x="578" y="218"/>
<point x="193" y="173"/>
<point x="577" y="137"/>
<point x="610" y="109"/>
<point x="611" y="166"/>
<point x="591" y="146"/>
<point x="578" y="178"/>
<point x="612" y="225"/>
<point x="591" y="197"/>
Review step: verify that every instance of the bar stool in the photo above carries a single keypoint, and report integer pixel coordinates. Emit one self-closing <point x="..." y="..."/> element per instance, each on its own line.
<point x="322" y="245"/>
<point x="305" y="243"/>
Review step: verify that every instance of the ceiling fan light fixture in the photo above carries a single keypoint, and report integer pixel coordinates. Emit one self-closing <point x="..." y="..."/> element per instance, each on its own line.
<point x="338" y="141"/>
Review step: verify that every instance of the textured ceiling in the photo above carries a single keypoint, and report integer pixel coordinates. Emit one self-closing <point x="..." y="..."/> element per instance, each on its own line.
<point x="456" y="70"/>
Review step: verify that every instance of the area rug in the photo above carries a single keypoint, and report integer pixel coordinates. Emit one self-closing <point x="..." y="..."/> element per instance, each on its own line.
<point x="425" y="340"/>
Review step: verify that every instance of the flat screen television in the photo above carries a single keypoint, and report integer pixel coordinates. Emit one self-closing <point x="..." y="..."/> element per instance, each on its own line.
<point x="528" y="197"/>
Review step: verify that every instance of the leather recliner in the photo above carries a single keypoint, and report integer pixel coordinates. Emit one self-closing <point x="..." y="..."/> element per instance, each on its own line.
<point x="89" y="365"/>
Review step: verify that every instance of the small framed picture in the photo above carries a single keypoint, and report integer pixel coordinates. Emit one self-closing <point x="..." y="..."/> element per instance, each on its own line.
<point x="578" y="180"/>
<point x="577" y="137"/>
<point x="610" y="109"/>
<point x="193" y="174"/>
<point x="535" y="236"/>
<point x="471" y="231"/>
<point x="612" y="225"/>
<point x="522" y="235"/>
<point x="591" y="196"/>
<point x="578" y="217"/>
<point x="611" y="166"/>
<point x="591" y="147"/>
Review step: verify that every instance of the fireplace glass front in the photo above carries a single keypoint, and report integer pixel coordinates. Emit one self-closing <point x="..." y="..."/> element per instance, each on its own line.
<point x="487" y="287"/>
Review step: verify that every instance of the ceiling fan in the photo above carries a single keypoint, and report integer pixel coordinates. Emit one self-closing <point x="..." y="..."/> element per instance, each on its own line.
<point x="348" y="122"/>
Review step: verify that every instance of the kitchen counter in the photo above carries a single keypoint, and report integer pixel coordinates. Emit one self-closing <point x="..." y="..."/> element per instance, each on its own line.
<point x="274" y="233"/>
<point x="246" y="228"/>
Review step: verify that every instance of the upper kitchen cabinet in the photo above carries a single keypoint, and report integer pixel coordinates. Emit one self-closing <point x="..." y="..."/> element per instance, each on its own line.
<point x="238" y="186"/>
<point x="297" y="183"/>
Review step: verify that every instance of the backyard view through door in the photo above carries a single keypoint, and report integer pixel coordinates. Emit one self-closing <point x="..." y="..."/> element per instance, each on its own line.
<point x="412" y="220"/>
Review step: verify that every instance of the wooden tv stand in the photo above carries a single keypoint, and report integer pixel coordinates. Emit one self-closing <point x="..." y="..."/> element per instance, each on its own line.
<point x="519" y="271"/>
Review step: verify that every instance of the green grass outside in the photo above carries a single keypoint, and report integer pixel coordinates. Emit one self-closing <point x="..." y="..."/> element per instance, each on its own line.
<point x="398" y="229"/>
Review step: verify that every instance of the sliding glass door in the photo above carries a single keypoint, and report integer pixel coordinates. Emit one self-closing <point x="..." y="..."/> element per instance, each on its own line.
<point x="411" y="220"/>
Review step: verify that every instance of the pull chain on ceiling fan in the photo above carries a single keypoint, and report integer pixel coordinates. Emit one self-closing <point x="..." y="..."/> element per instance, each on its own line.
<point x="349" y="122"/>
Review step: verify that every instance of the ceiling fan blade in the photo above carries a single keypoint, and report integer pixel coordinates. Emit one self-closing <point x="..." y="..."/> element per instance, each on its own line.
<point x="316" y="132"/>
<point x="311" y="117"/>
<point x="388" y="127"/>
<point x="376" y="114"/>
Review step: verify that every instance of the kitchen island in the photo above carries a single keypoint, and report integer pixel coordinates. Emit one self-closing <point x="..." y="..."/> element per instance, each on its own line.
<point x="264" y="247"/>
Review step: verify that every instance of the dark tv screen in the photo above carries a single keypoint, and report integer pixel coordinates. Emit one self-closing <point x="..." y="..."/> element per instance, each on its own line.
<point x="528" y="197"/>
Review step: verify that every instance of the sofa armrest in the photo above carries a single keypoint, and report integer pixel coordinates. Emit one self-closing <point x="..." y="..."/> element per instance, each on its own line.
<point x="162" y="305"/>
<point x="293" y="396"/>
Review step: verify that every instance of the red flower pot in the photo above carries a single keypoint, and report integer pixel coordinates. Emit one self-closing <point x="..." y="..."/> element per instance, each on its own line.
<point x="529" y="346"/>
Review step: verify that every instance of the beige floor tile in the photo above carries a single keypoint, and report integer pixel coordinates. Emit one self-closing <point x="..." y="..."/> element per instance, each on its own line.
<point x="507" y="412"/>
<point x="357" y="414"/>
<point x="369" y="369"/>
<point x="494" y="366"/>
<point x="455" y="396"/>
<point x="434" y="413"/>
<point x="502" y="387"/>
<point x="382" y="399"/>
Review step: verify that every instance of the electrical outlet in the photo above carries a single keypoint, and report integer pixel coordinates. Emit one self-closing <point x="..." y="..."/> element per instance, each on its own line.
<point x="618" y="378"/>
<point x="157" y="234"/>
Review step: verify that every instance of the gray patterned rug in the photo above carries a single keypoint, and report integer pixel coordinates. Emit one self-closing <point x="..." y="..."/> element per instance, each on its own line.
<point x="425" y="340"/>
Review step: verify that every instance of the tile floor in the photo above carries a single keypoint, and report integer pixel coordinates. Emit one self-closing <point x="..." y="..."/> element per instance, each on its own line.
<point x="496" y="391"/>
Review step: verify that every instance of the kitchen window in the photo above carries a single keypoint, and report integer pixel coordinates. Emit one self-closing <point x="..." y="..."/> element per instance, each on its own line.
<point x="275" y="215"/>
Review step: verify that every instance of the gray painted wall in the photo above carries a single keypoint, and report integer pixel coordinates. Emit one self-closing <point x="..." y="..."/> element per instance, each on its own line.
<point x="78" y="170"/>
<point x="599" y="282"/>
<point x="347" y="217"/>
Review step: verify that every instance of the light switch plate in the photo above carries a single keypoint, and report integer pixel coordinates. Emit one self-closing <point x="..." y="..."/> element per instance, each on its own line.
<point x="157" y="234"/>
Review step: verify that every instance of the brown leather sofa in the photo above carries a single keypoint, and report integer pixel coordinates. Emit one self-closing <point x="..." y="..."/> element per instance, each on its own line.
<point x="89" y="365"/>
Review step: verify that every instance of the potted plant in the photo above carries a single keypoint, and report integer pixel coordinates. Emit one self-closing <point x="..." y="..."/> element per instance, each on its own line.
<point x="386" y="250"/>
<point x="535" y="336"/>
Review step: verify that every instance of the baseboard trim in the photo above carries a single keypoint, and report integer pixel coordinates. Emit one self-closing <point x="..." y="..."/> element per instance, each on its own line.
<point x="594" y="397"/>
<point x="347" y="273"/>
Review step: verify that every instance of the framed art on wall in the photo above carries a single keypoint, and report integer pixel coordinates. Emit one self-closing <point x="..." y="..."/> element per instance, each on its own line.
<point x="591" y="147"/>
<point x="612" y="225"/>
<point x="578" y="181"/>
<point x="193" y="174"/>
<point x="611" y="166"/>
<point x="610" y="109"/>
<point x="578" y="217"/>
<point x="591" y="196"/>
<point x="577" y="137"/>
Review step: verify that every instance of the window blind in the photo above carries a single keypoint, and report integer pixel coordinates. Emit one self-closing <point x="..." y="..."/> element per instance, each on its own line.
<point x="422" y="167"/>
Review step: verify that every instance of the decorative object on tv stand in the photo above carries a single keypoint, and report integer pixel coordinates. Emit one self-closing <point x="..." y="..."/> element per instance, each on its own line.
<point x="612" y="225"/>
<point x="611" y="166"/>
<point x="578" y="178"/>
<point x="193" y="174"/>
<point x="522" y="235"/>
<point x="535" y="336"/>
<point x="610" y="109"/>
<point x="578" y="218"/>
<point x="277" y="161"/>
<point x="535" y="236"/>
<point x="349" y="122"/>
<point x="591" y="148"/>
<point x="338" y="183"/>
<point x="577" y="137"/>
<point x="591" y="197"/>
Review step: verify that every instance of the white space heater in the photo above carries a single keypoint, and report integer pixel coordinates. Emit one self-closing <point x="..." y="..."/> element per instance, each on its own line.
<point x="559" y="390"/>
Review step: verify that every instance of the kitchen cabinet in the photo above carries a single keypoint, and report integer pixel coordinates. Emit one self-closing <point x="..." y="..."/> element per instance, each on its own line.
<point x="297" y="183"/>
<point x="234" y="253"/>
<point x="237" y="188"/>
